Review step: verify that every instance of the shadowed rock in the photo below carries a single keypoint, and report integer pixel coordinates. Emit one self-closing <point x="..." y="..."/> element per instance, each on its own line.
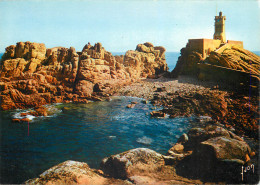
<point x="211" y="154"/>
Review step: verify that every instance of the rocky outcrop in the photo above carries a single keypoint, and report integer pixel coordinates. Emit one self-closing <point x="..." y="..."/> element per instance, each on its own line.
<point x="25" y="50"/>
<point x="204" y="103"/>
<point x="32" y="75"/>
<point x="138" y="166"/>
<point x="139" y="161"/>
<point x="236" y="58"/>
<point x="233" y="59"/>
<point x="73" y="172"/>
<point x="187" y="63"/>
<point x="210" y="154"/>
<point x="197" y="140"/>
<point x="146" y="60"/>
<point x="230" y="109"/>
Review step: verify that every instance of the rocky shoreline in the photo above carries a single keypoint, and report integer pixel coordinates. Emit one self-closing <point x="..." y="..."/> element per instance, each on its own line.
<point x="32" y="76"/>
<point x="204" y="155"/>
<point x="186" y="96"/>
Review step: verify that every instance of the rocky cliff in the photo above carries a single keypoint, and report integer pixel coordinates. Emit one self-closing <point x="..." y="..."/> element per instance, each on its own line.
<point x="33" y="75"/>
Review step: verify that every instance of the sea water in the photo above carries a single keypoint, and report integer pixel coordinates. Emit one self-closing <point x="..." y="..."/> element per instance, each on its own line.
<point x="81" y="132"/>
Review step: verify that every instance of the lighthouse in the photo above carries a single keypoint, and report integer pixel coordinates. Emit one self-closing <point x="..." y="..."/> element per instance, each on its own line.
<point x="220" y="28"/>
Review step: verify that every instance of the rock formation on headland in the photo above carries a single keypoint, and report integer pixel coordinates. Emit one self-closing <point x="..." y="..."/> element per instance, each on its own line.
<point x="219" y="59"/>
<point x="232" y="59"/>
<point x="32" y="75"/>
<point x="209" y="154"/>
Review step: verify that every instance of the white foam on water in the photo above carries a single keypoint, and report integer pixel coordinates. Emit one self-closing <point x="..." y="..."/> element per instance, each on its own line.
<point x="144" y="140"/>
<point x="127" y="97"/>
<point x="112" y="137"/>
<point x="121" y="117"/>
<point x="51" y="108"/>
<point x="17" y="115"/>
<point x="56" y="104"/>
<point x="30" y="117"/>
<point x="177" y="136"/>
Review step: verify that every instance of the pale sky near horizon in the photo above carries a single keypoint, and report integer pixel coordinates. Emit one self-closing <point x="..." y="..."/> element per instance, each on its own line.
<point x="122" y="24"/>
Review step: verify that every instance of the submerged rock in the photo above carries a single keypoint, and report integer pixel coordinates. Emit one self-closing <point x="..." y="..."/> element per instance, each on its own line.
<point x="158" y="114"/>
<point x="130" y="106"/>
<point x="25" y="120"/>
<point x="16" y="120"/>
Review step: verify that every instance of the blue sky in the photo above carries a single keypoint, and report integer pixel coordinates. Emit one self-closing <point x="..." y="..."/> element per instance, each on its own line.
<point x="122" y="24"/>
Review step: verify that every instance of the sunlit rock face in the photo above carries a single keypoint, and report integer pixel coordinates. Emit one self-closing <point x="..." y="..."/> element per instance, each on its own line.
<point x="232" y="64"/>
<point x="33" y="75"/>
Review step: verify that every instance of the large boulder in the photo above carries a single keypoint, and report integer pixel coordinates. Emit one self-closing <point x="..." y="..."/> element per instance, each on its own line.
<point x="72" y="172"/>
<point x="139" y="161"/>
<point x="146" y="61"/>
<point x="198" y="135"/>
<point x="210" y="154"/>
<point x="26" y="50"/>
<point x="225" y="148"/>
<point x="9" y="52"/>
